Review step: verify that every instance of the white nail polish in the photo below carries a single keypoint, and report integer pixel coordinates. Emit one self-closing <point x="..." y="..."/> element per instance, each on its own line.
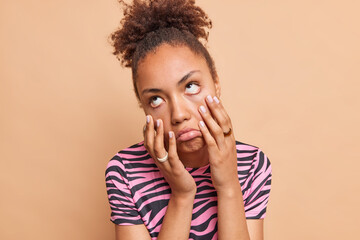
<point x="216" y="100"/>
<point x="209" y="98"/>
<point x="202" y="124"/>
<point x="147" y="119"/>
<point x="202" y="109"/>
<point x="158" y="123"/>
<point x="171" y="134"/>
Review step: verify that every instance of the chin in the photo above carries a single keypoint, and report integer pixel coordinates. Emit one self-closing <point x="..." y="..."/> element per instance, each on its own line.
<point x="192" y="145"/>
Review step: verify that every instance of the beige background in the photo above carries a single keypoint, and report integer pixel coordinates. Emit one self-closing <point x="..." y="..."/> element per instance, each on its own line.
<point x="290" y="81"/>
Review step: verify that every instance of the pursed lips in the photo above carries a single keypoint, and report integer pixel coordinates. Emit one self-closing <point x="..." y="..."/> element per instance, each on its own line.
<point x="187" y="134"/>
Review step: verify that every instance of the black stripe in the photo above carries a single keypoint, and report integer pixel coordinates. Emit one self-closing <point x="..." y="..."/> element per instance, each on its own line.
<point x="135" y="153"/>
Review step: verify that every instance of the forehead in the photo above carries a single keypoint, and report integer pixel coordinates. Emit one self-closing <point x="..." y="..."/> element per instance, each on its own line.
<point x="167" y="65"/>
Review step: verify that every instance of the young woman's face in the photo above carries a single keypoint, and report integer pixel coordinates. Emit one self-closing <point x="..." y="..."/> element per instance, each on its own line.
<point x="172" y="83"/>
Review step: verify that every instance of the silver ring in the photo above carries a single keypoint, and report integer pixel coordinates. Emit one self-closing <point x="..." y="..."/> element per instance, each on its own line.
<point x="228" y="132"/>
<point x="163" y="159"/>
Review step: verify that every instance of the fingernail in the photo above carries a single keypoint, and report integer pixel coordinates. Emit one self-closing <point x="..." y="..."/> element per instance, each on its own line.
<point x="158" y="123"/>
<point x="202" y="109"/>
<point x="216" y="99"/>
<point x="202" y="124"/>
<point x="147" y="119"/>
<point x="209" y="98"/>
<point x="171" y="134"/>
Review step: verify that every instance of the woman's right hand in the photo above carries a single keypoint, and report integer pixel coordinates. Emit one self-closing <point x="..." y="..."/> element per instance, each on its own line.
<point x="182" y="184"/>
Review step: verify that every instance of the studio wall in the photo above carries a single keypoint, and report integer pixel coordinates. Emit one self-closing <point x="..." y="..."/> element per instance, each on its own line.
<point x="289" y="72"/>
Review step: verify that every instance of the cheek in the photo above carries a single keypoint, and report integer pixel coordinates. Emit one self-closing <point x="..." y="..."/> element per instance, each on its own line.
<point x="167" y="124"/>
<point x="159" y="113"/>
<point x="195" y="102"/>
<point x="164" y="116"/>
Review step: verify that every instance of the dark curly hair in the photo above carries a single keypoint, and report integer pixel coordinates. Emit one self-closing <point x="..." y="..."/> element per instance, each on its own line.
<point x="149" y="23"/>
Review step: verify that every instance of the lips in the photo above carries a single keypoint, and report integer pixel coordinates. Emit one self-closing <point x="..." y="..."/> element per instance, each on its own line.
<point x="187" y="134"/>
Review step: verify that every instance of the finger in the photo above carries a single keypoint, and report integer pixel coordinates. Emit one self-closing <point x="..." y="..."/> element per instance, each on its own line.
<point x="213" y="127"/>
<point x="218" y="112"/>
<point x="173" y="156"/>
<point x="159" y="148"/>
<point x="149" y="135"/>
<point x="144" y="129"/>
<point x="210" y="141"/>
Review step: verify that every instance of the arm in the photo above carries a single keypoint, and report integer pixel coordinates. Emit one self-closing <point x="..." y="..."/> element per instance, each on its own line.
<point x="256" y="228"/>
<point x="177" y="220"/>
<point x="260" y="195"/>
<point x="176" y="224"/>
<point x="130" y="232"/>
<point x="231" y="215"/>
<point x="223" y="163"/>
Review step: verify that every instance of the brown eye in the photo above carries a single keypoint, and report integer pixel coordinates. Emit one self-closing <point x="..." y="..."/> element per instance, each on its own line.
<point x="192" y="88"/>
<point x="155" y="101"/>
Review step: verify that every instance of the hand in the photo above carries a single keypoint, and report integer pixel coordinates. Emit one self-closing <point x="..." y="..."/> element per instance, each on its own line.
<point x="181" y="182"/>
<point x="221" y="148"/>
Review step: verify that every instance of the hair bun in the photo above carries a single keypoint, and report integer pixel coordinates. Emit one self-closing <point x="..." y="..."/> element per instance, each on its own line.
<point x="143" y="17"/>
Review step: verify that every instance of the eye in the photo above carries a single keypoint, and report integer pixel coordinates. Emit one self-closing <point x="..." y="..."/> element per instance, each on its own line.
<point x="155" y="101"/>
<point x="192" y="88"/>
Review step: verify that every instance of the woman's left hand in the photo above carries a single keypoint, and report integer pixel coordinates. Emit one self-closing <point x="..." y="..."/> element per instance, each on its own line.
<point x="218" y="134"/>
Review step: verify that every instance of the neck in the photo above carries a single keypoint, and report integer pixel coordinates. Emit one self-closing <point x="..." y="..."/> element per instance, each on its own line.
<point x="195" y="159"/>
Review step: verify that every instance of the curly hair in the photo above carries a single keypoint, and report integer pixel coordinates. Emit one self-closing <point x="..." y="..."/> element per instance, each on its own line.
<point x="149" y="23"/>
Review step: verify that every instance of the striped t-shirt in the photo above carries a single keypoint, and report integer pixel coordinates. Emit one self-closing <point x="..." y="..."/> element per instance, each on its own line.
<point x="139" y="194"/>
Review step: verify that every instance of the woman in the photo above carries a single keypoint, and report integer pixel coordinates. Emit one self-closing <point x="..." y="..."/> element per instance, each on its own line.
<point x="189" y="178"/>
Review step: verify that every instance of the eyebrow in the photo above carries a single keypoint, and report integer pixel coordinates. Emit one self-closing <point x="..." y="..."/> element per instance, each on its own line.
<point x="182" y="80"/>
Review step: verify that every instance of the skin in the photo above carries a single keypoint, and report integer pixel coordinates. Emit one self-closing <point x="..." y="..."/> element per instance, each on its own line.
<point x="177" y="92"/>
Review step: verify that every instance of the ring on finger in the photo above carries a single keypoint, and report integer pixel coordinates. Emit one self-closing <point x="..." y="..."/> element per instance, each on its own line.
<point x="227" y="133"/>
<point x="163" y="159"/>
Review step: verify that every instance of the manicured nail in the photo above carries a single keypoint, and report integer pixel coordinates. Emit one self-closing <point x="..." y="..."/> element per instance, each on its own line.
<point x="147" y="119"/>
<point x="171" y="134"/>
<point x="202" y="124"/>
<point x="209" y="98"/>
<point x="202" y="109"/>
<point x="158" y="123"/>
<point x="216" y="99"/>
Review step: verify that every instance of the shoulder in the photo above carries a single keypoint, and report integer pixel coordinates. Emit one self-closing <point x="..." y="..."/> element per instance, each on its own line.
<point x="133" y="151"/>
<point x="121" y="159"/>
<point x="247" y="151"/>
<point x="255" y="175"/>
<point x="131" y="160"/>
<point x="252" y="161"/>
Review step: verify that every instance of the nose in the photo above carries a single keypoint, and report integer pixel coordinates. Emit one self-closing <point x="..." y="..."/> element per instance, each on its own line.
<point x="179" y="110"/>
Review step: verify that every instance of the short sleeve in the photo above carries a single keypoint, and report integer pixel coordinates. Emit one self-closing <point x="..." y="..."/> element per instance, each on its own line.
<point x="123" y="210"/>
<point x="260" y="183"/>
